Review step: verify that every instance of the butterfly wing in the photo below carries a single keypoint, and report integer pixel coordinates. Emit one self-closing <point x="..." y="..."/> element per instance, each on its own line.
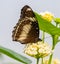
<point x="26" y="31"/>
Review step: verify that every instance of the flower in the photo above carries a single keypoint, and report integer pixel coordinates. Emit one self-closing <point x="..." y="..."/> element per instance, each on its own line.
<point x="47" y="16"/>
<point x="55" y="61"/>
<point x="38" y="49"/>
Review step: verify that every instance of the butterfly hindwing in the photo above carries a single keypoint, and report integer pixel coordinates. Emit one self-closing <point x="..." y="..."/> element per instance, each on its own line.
<point x="26" y="31"/>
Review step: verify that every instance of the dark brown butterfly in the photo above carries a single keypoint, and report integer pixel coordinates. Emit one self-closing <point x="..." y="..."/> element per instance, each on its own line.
<point x="26" y="30"/>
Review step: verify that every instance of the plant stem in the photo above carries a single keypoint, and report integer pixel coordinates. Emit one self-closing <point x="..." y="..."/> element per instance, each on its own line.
<point x="42" y="61"/>
<point x="43" y="37"/>
<point x="50" y="59"/>
<point x="53" y="46"/>
<point x="37" y="61"/>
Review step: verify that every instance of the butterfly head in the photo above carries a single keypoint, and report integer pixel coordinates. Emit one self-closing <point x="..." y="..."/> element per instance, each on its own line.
<point x="26" y="11"/>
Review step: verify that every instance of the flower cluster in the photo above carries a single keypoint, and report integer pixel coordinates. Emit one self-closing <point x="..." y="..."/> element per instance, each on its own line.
<point x="47" y="16"/>
<point x="38" y="49"/>
<point x="55" y="61"/>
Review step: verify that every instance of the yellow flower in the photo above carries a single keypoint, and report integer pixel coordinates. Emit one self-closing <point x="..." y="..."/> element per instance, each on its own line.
<point x="39" y="49"/>
<point x="55" y="61"/>
<point x="47" y="16"/>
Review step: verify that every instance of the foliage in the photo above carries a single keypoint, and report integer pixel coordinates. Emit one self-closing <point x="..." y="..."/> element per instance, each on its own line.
<point x="46" y="26"/>
<point x="14" y="55"/>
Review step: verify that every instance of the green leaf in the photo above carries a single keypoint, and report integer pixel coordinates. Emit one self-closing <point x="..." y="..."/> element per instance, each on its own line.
<point x="57" y="20"/>
<point x="46" y="26"/>
<point x="14" y="55"/>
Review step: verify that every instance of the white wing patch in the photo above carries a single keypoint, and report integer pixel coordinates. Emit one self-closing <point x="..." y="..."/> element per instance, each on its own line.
<point x="25" y="31"/>
<point x="16" y="31"/>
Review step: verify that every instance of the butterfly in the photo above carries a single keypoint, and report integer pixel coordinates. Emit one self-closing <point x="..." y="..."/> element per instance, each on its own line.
<point x="26" y="30"/>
